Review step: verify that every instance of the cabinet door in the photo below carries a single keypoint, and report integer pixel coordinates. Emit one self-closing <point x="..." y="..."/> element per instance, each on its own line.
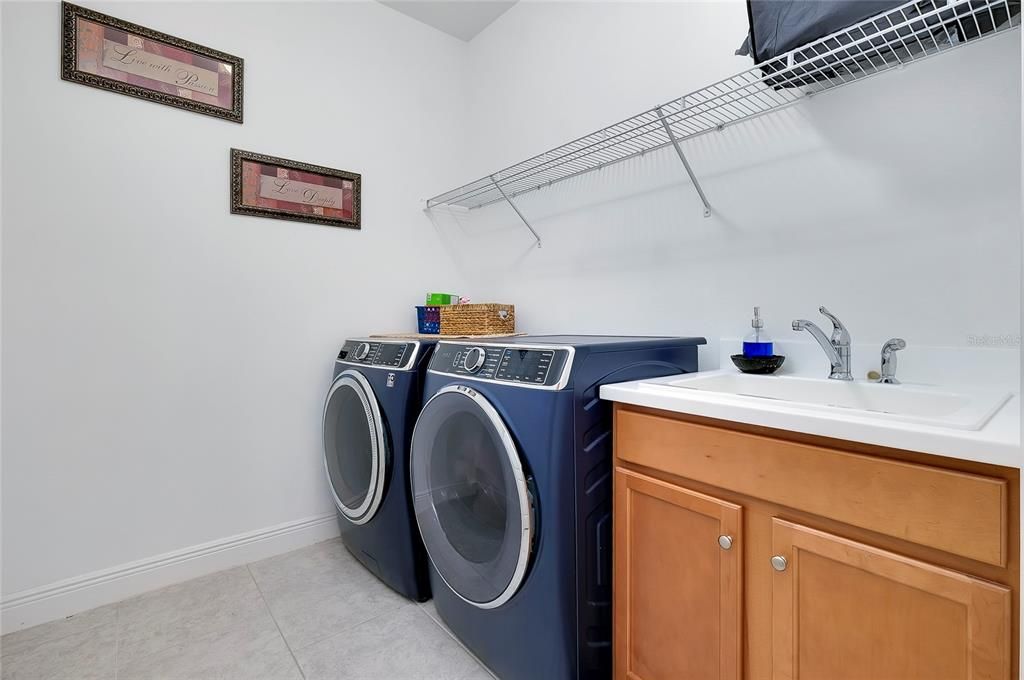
<point x="843" y="610"/>
<point x="677" y="582"/>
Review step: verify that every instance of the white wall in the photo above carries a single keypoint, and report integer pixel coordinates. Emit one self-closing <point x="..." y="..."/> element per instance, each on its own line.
<point x="895" y="202"/>
<point x="164" y="361"/>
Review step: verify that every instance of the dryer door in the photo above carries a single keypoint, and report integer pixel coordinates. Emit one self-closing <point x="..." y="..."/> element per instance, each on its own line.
<point x="471" y="498"/>
<point x="355" y="447"/>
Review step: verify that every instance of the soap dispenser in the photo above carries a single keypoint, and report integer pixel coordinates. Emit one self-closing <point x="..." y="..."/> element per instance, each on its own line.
<point x="758" y="355"/>
<point x="757" y="343"/>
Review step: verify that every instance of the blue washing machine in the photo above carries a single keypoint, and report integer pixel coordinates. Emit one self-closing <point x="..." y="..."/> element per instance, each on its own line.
<point x="369" y="414"/>
<point x="512" y="490"/>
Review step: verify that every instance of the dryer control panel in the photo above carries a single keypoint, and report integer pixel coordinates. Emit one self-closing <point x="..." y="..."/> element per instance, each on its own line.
<point x="535" y="366"/>
<point x="378" y="353"/>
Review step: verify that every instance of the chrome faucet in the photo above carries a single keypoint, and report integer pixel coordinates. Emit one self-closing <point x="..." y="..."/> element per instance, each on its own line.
<point x="889" y="350"/>
<point x="836" y="348"/>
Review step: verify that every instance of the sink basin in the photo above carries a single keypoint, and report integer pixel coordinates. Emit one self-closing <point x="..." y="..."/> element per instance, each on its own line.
<point x="963" y="409"/>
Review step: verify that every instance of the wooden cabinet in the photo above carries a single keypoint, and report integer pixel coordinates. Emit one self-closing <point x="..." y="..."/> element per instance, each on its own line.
<point x="842" y="610"/>
<point x="679" y="583"/>
<point x="887" y="565"/>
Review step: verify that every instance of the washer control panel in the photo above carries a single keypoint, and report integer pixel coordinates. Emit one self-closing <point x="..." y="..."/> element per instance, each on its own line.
<point x="474" y="359"/>
<point x="536" y="366"/>
<point x="525" y="365"/>
<point x="377" y="353"/>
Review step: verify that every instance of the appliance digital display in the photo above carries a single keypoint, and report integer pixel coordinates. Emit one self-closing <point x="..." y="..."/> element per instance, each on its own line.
<point x="390" y="355"/>
<point x="525" y="364"/>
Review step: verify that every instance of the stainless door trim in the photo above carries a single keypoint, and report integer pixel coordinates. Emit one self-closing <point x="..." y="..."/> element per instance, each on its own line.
<point x="378" y="446"/>
<point x="523" y="493"/>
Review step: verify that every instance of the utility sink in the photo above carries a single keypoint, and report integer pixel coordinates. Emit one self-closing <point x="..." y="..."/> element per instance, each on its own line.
<point x="961" y="409"/>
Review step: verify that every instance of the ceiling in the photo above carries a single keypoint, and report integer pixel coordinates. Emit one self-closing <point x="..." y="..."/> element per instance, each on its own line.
<point x="460" y="18"/>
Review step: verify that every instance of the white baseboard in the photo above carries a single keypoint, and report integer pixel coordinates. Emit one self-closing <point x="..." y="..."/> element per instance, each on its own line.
<point x="70" y="596"/>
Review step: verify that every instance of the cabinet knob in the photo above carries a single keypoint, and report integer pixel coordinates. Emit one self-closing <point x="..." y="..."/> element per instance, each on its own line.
<point x="725" y="542"/>
<point x="779" y="563"/>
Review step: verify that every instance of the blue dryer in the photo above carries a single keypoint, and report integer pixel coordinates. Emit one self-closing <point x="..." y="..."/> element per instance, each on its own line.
<point x="369" y="414"/>
<point x="512" y="490"/>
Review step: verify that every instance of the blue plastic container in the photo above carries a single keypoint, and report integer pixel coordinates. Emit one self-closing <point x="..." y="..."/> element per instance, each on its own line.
<point x="428" y="319"/>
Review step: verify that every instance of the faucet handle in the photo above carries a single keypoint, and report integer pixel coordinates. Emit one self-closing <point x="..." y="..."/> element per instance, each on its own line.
<point x="839" y="332"/>
<point x="889" y="350"/>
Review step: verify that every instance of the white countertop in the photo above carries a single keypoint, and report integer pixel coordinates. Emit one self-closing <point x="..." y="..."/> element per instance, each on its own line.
<point x="997" y="442"/>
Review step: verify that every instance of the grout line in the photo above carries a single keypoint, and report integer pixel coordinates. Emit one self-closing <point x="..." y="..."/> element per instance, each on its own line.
<point x="276" y="624"/>
<point x="117" y="636"/>
<point x="423" y="608"/>
<point x="349" y="624"/>
<point x="349" y="628"/>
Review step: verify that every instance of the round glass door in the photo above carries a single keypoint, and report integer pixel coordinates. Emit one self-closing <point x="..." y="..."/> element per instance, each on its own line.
<point x="355" y="449"/>
<point x="472" y="503"/>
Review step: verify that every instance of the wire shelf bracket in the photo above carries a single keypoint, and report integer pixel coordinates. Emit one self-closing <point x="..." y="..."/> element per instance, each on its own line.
<point x="893" y="39"/>
<point x="686" y="164"/>
<point x="513" y="205"/>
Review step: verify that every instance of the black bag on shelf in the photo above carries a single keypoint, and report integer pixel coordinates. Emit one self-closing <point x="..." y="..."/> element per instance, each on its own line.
<point x="778" y="26"/>
<point x="781" y="26"/>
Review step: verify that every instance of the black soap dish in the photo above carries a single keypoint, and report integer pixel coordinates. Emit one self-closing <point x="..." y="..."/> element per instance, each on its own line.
<point x="763" y="365"/>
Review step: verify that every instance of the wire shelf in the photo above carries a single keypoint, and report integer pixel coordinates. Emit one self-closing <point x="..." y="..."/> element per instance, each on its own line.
<point x="909" y="33"/>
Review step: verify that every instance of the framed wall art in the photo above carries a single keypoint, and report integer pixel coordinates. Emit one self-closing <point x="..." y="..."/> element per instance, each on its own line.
<point x="266" y="186"/>
<point x="101" y="51"/>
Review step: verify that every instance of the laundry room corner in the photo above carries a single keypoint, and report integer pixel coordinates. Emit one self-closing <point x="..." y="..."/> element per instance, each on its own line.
<point x="511" y="340"/>
<point x="162" y="358"/>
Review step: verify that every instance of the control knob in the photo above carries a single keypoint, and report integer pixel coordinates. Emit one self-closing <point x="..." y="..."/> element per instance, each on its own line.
<point x="362" y="350"/>
<point x="474" y="359"/>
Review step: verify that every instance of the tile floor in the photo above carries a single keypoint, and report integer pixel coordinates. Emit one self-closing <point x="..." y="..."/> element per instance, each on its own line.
<point x="313" y="613"/>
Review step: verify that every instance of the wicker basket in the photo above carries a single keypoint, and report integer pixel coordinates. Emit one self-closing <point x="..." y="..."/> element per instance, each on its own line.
<point x="483" y="319"/>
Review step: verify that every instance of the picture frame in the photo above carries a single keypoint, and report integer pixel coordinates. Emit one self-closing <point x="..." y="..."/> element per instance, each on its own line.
<point x="283" y="189"/>
<point x="111" y="54"/>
